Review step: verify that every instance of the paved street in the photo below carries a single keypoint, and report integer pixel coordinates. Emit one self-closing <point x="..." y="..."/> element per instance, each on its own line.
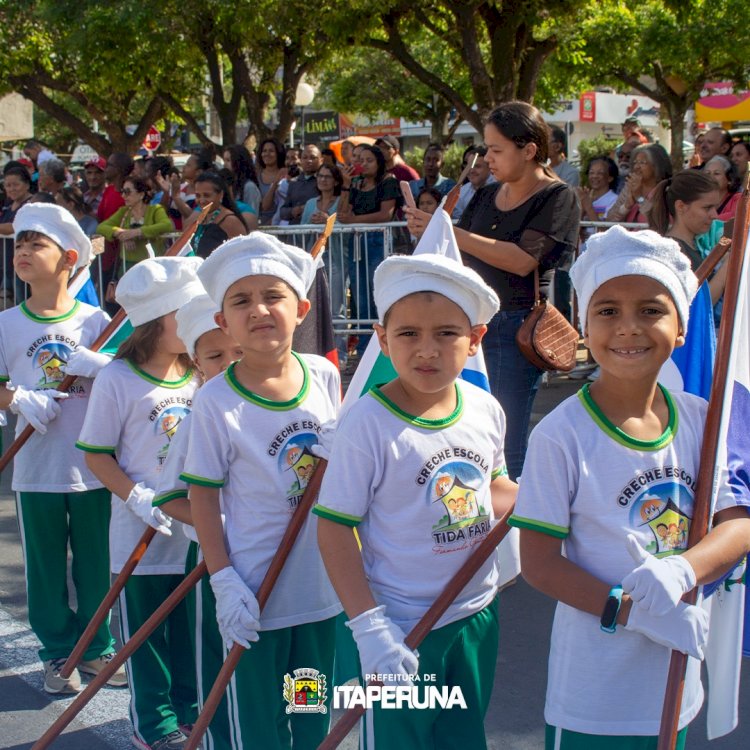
<point x="515" y="720"/>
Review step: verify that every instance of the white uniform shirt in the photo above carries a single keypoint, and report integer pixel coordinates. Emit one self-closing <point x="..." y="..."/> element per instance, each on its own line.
<point x="419" y="493"/>
<point x="33" y="353"/>
<point x="258" y="452"/>
<point x="587" y="482"/>
<point x="135" y="417"/>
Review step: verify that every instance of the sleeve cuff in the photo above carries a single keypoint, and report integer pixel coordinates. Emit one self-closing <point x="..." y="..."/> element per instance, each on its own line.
<point x="4" y="378"/>
<point x="336" y="516"/>
<point x="500" y="472"/>
<point x="202" y="481"/>
<point x="168" y="497"/>
<point x="561" y="532"/>
<point x="95" y="448"/>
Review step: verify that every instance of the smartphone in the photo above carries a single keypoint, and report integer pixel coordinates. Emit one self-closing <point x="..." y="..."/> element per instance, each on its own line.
<point x="356" y="170"/>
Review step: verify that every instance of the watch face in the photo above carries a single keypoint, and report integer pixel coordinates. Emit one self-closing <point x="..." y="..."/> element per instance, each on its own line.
<point x="610" y="612"/>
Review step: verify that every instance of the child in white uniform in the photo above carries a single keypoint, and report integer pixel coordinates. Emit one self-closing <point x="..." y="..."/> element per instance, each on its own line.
<point x="611" y="473"/>
<point x="418" y="467"/>
<point x="136" y="407"/>
<point x="212" y="351"/>
<point x="59" y="501"/>
<point x="251" y="437"/>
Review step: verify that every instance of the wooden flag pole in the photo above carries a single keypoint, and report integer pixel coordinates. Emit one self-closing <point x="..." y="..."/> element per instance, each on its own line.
<point x="320" y="243"/>
<point x="269" y="581"/>
<point x="455" y="192"/>
<point x="112" y="326"/>
<point x="704" y="483"/>
<point x="107" y="603"/>
<point x="712" y="260"/>
<point x="128" y="649"/>
<point x="430" y="618"/>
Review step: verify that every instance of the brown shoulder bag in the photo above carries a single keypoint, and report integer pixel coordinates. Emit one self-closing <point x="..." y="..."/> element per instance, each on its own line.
<point x="545" y="337"/>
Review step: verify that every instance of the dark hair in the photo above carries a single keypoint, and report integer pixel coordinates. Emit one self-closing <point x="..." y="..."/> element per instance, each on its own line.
<point x="55" y="168"/>
<point x="480" y="150"/>
<point x="141" y="186"/>
<point x="140" y="346"/>
<point x="42" y="197"/>
<point x="733" y="179"/>
<point x="430" y="191"/>
<point x="559" y="136"/>
<point x="686" y="186"/>
<point x="612" y="169"/>
<point x="122" y="162"/>
<point x="72" y="194"/>
<point x="18" y="171"/>
<point x="745" y="145"/>
<point x="280" y="152"/>
<point x="379" y="158"/>
<point x="523" y="124"/>
<point x="217" y="181"/>
<point x="328" y="152"/>
<point x="161" y="164"/>
<point x="13" y="165"/>
<point x="658" y="158"/>
<point x="206" y="155"/>
<point x="29" y="235"/>
<point x="338" y="179"/>
<point x="243" y="169"/>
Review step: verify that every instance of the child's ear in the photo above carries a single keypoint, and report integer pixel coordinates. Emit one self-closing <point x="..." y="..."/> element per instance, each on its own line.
<point x="70" y="258"/>
<point x="382" y="338"/>
<point x="221" y="321"/>
<point x="475" y="338"/>
<point x="680" y="340"/>
<point x="303" y="307"/>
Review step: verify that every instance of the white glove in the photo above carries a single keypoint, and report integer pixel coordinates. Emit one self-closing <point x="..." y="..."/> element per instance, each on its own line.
<point x="237" y="610"/>
<point x="139" y="503"/>
<point x="684" y="629"/>
<point x="381" y="646"/>
<point x="325" y="440"/>
<point x="84" y="363"/>
<point x="657" y="584"/>
<point x="38" y="408"/>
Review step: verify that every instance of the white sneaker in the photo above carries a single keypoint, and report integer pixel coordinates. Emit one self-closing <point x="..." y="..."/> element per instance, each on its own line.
<point x="54" y="683"/>
<point x="94" y="666"/>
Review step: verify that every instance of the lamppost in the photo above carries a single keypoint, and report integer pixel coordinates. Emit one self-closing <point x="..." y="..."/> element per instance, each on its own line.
<point x="303" y="98"/>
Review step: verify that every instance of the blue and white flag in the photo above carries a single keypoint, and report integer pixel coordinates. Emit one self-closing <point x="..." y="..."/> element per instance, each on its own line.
<point x="726" y="599"/>
<point x="375" y="368"/>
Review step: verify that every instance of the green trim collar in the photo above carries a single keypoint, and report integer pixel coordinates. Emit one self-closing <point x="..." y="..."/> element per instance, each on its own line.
<point x="429" y="424"/>
<point x="622" y="437"/>
<point x="267" y="403"/>
<point x="52" y="319"/>
<point x="184" y="380"/>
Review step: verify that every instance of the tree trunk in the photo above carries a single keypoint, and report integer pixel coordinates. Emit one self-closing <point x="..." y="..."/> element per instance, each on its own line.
<point x="676" y="108"/>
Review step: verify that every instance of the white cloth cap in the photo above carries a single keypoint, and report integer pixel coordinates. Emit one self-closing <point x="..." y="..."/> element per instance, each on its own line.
<point x="158" y="286"/>
<point x="400" y="275"/>
<point x="618" y="252"/>
<point x="194" y="319"/>
<point x="58" y="224"/>
<point x="256" y="254"/>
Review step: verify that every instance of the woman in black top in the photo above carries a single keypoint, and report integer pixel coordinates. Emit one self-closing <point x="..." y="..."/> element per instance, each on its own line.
<point x="527" y="221"/>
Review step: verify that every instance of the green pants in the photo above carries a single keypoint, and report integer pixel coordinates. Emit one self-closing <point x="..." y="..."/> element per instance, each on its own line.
<point x="563" y="739"/>
<point x="257" y="709"/>
<point x="208" y="648"/>
<point x="161" y="672"/>
<point x="462" y="654"/>
<point x="49" y="523"/>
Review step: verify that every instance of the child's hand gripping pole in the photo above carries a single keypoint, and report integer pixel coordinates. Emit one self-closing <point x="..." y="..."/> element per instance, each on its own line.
<point x="711" y="434"/>
<point x="128" y="649"/>
<point x="274" y="570"/>
<point x="107" y="603"/>
<point x="420" y="631"/>
<point x="104" y="336"/>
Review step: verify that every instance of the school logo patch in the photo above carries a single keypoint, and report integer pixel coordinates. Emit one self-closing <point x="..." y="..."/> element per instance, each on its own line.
<point x="305" y="692"/>
<point x="166" y="425"/>
<point x="296" y="460"/>
<point x="51" y="359"/>
<point x="664" y="511"/>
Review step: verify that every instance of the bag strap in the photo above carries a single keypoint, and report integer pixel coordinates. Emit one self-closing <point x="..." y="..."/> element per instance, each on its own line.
<point x="537" y="298"/>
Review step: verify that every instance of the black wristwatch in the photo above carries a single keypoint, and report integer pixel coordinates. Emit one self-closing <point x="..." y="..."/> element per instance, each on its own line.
<point x="608" y="621"/>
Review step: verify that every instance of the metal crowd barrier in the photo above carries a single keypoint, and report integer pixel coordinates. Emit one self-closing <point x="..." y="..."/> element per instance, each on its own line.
<point x="353" y="253"/>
